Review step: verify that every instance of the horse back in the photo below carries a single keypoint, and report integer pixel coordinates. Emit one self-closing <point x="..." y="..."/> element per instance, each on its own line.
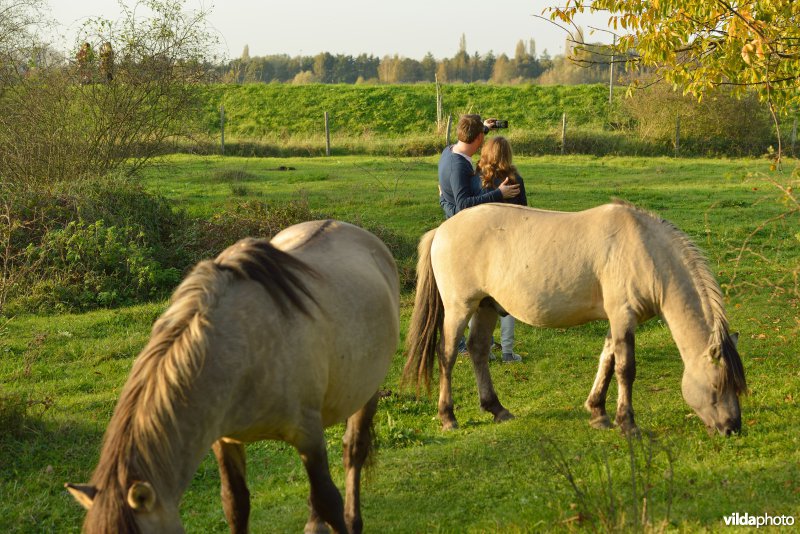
<point x="547" y="268"/>
<point x="333" y="360"/>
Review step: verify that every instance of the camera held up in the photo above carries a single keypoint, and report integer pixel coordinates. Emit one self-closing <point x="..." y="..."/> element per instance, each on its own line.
<point x="497" y="125"/>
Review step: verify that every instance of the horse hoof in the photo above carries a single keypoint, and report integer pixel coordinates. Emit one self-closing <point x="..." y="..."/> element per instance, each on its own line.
<point x="316" y="528"/>
<point x="601" y="423"/>
<point x="503" y="415"/>
<point x="449" y="425"/>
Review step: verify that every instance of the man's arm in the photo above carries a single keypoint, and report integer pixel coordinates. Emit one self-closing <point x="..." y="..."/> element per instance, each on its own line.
<point x="461" y="185"/>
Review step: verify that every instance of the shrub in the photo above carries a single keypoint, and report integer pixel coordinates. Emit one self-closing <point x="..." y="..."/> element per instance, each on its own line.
<point x="85" y="265"/>
<point x="73" y="123"/>
<point x="202" y="239"/>
<point x="90" y="243"/>
<point x="720" y="124"/>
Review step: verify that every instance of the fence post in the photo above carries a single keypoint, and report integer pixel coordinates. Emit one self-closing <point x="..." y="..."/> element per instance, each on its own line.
<point x="611" y="75"/>
<point x="447" y="134"/>
<point x="222" y="128"/>
<point x="563" y="132"/>
<point x="677" y="135"/>
<point x="327" y="136"/>
<point x="438" y="105"/>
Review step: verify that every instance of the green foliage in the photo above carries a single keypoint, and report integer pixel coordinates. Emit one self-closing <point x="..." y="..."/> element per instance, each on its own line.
<point x="116" y="109"/>
<point x="205" y="238"/>
<point x="719" y="124"/>
<point x="83" y="244"/>
<point x="109" y="242"/>
<point x="699" y="45"/>
<point x="85" y="265"/>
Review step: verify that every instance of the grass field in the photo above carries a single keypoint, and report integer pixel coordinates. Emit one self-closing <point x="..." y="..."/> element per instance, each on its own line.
<point x="547" y="469"/>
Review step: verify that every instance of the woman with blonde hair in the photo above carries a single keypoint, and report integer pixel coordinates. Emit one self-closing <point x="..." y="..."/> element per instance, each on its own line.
<point x="496" y="165"/>
<point x="493" y="168"/>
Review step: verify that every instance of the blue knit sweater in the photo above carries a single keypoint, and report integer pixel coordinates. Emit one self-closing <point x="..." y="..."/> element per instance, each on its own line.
<point x="460" y="185"/>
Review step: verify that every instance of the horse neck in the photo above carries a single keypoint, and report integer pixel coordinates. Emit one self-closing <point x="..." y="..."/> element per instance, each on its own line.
<point x="145" y="443"/>
<point x="691" y="301"/>
<point x="689" y="323"/>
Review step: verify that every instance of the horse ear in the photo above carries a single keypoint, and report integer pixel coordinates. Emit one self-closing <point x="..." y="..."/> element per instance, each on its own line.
<point x="141" y="497"/>
<point x="83" y="493"/>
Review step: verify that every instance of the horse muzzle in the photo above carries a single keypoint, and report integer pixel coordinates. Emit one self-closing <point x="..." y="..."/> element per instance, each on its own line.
<point x="729" y="427"/>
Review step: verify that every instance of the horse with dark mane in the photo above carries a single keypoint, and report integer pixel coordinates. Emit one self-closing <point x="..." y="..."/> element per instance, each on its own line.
<point x="271" y="340"/>
<point x="555" y="269"/>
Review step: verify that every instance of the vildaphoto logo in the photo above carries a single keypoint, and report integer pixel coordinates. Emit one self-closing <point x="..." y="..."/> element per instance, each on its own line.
<point x="764" y="520"/>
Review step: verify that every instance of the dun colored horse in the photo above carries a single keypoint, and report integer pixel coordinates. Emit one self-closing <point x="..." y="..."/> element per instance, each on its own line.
<point x="554" y="269"/>
<point x="271" y="340"/>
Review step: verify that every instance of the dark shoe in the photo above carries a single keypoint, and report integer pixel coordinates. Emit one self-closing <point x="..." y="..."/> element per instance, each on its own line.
<point x="509" y="357"/>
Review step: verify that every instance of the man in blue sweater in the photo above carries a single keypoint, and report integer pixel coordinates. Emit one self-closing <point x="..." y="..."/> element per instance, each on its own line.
<point x="458" y="185"/>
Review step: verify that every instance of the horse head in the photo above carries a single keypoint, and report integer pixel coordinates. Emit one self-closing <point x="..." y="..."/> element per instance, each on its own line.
<point x="712" y="384"/>
<point x="139" y="510"/>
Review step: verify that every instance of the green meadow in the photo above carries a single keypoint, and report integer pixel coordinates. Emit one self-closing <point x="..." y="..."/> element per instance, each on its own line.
<point x="546" y="470"/>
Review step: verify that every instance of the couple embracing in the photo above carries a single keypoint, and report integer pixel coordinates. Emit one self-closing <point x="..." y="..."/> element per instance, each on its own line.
<point x="494" y="180"/>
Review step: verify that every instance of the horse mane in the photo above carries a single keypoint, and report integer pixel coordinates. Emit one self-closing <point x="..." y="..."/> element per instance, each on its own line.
<point x="136" y="445"/>
<point x="722" y="346"/>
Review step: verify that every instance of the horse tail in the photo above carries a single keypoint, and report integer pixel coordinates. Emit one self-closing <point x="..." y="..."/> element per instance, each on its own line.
<point x="422" y="341"/>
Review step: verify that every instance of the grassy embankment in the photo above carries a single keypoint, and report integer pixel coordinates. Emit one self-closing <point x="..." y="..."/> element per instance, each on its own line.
<point x="482" y="477"/>
<point x="400" y="120"/>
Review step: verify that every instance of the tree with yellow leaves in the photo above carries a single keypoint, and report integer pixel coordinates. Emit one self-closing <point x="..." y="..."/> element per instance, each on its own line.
<point x="701" y="44"/>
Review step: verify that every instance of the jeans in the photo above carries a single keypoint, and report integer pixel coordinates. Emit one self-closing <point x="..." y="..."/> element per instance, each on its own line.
<point x="506" y="335"/>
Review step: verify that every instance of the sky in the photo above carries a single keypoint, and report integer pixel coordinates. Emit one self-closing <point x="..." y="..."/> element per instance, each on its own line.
<point x="409" y="28"/>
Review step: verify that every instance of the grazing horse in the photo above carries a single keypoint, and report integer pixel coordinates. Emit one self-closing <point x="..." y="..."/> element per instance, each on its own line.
<point x="555" y="269"/>
<point x="271" y="340"/>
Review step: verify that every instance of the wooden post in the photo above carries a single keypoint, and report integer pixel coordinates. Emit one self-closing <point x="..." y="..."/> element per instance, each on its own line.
<point x="439" y="113"/>
<point x="677" y="135"/>
<point x="794" y="134"/>
<point x="222" y="128"/>
<point x="563" y="132"/>
<point x="611" y="75"/>
<point x="327" y="136"/>
<point x="447" y="135"/>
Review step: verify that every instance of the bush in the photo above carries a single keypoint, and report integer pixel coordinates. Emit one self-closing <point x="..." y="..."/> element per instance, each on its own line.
<point x="85" y="265"/>
<point x="720" y="124"/>
<point x="107" y="242"/>
<point x="202" y="239"/>
<point x="97" y="115"/>
<point x="74" y="246"/>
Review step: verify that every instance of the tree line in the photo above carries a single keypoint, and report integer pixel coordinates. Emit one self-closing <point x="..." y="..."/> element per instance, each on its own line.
<point x="525" y="66"/>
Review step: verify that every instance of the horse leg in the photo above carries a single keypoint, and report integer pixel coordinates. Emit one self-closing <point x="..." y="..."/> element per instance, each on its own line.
<point x="235" y="496"/>
<point x="622" y="335"/>
<point x="479" y="345"/>
<point x="596" y="402"/>
<point x="357" y="446"/>
<point x="452" y="330"/>
<point x="325" y="501"/>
